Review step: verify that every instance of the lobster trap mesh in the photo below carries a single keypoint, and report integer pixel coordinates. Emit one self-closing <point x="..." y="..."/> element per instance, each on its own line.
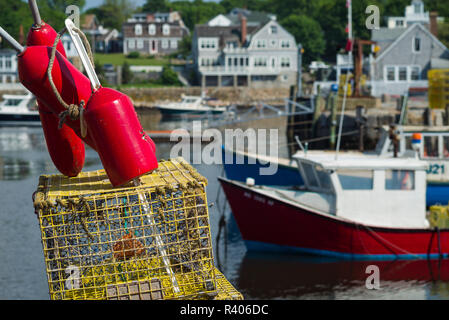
<point x="143" y="241"/>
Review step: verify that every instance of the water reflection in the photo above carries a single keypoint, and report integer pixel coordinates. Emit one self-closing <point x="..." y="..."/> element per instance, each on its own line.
<point x="264" y="276"/>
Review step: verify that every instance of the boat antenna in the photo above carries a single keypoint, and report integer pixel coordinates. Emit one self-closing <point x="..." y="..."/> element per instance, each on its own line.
<point x="35" y="12"/>
<point x="350" y="42"/>
<point x="13" y="42"/>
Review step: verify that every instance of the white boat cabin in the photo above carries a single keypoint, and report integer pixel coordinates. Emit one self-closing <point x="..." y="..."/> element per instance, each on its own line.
<point x="434" y="148"/>
<point x="365" y="189"/>
<point x="18" y="103"/>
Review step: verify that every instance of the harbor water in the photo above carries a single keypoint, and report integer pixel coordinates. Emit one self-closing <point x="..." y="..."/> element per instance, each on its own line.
<point x="24" y="157"/>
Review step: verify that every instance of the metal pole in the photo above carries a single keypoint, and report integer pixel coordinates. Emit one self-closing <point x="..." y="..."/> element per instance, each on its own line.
<point x="299" y="91"/>
<point x="35" y="12"/>
<point x="13" y="42"/>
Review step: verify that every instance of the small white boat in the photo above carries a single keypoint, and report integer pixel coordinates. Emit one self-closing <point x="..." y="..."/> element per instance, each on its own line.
<point x="196" y="105"/>
<point x="19" y="110"/>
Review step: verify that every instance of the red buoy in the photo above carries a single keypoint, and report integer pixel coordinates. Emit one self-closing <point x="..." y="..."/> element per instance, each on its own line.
<point x="71" y="84"/>
<point x="65" y="147"/>
<point x="125" y="150"/>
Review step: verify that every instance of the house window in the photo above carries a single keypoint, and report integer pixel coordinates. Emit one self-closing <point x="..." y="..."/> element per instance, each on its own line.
<point x="415" y="73"/>
<point x="174" y="44"/>
<point x="260" y="62"/>
<point x="131" y="44"/>
<point x="138" y="29"/>
<point x="208" y="44"/>
<point x="399" y="23"/>
<point x="164" y="44"/>
<point x="402" y="73"/>
<point x="261" y="44"/>
<point x="1" y="63"/>
<point x="285" y="44"/>
<point x="139" y="44"/>
<point x="273" y="43"/>
<point x="230" y="62"/>
<point x="285" y="62"/>
<point x="165" y="29"/>
<point x="152" y="29"/>
<point x="391" y="74"/>
<point x="416" y="44"/>
<point x="273" y="29"/>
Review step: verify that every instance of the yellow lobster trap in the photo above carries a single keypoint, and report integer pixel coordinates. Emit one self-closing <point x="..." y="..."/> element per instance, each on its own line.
<point x="150" y="241"/>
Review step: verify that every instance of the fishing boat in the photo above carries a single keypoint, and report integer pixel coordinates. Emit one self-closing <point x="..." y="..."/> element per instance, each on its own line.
<point x="19" y="110"/>
<point x="194" y="105"/>
<point x="433" y="149"/>
<point x="355" y="206"/>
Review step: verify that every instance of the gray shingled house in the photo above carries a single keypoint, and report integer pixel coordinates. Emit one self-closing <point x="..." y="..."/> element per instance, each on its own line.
<point x="405" y="57"/>
<point x="244" y="48"/>
<point x="153" y="34"/>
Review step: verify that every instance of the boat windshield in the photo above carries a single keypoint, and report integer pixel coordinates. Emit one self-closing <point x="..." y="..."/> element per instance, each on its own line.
<point x="316" y="177"/>
<point x="189" y="100"/>
<point x="12" y="102"/>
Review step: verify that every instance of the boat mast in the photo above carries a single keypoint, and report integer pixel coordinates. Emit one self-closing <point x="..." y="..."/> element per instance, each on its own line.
<point x="349" y="45"/>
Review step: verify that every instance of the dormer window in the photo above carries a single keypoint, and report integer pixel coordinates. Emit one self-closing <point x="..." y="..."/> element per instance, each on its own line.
<point x="138" y="29"/>
<point x="416" y="44"/>
<point x="165" y="29"/>
<point x="273" y="29"/>
<point x="152" y="29"/>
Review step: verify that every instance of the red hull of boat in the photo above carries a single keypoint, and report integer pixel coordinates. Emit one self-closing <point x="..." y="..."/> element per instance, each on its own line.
<point x="268" y="223"/>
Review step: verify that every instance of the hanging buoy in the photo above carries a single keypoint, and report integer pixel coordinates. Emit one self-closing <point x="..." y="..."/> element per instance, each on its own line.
<point x="66" y="149"/>
<point x="72" y="86"/>
<point x="125" y="150"/>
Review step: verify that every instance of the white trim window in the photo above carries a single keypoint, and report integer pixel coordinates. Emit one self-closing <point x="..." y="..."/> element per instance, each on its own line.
<point x="390" y="73"/>
<point x="285" y="44"/>
<point x="131" y="44"/>
<point x="139" y="44"/>
<point x="260" y="61"/>
<point x="273" y="29"/>
<point x="138" y="29"/>
<point x="402" y="73"/>
<point x="152" y="29"/>
<point x="285" y="62"/>
<point x="174" y="44"/>
<point x="164" y="44"/>
<point x="415" y="73"/>
<point x="166" y="29"/>
<point x="416" y="45"/>
<point x="208" y="44"/>
<point x="261" y="44"/>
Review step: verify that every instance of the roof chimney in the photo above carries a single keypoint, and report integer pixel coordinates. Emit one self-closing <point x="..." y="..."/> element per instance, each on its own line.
<point x="244" y="28"/>
<point x="434" y="23"/>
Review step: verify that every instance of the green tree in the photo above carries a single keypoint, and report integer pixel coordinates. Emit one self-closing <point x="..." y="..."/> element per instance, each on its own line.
<point x="169" y="76"/>
<point x="256" y="5"/>
<point x="307" y="32"/>
<point x="443" y="33"/>
<point x="113" y="13"/>
<point x="196" y="12"/>
<point x="155" y="6"/>
<point x="185" y="46"/>
<point x="127" y="75"/>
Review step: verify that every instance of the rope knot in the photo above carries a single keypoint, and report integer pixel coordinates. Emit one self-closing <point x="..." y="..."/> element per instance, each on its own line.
<point x="73" y="112"/>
